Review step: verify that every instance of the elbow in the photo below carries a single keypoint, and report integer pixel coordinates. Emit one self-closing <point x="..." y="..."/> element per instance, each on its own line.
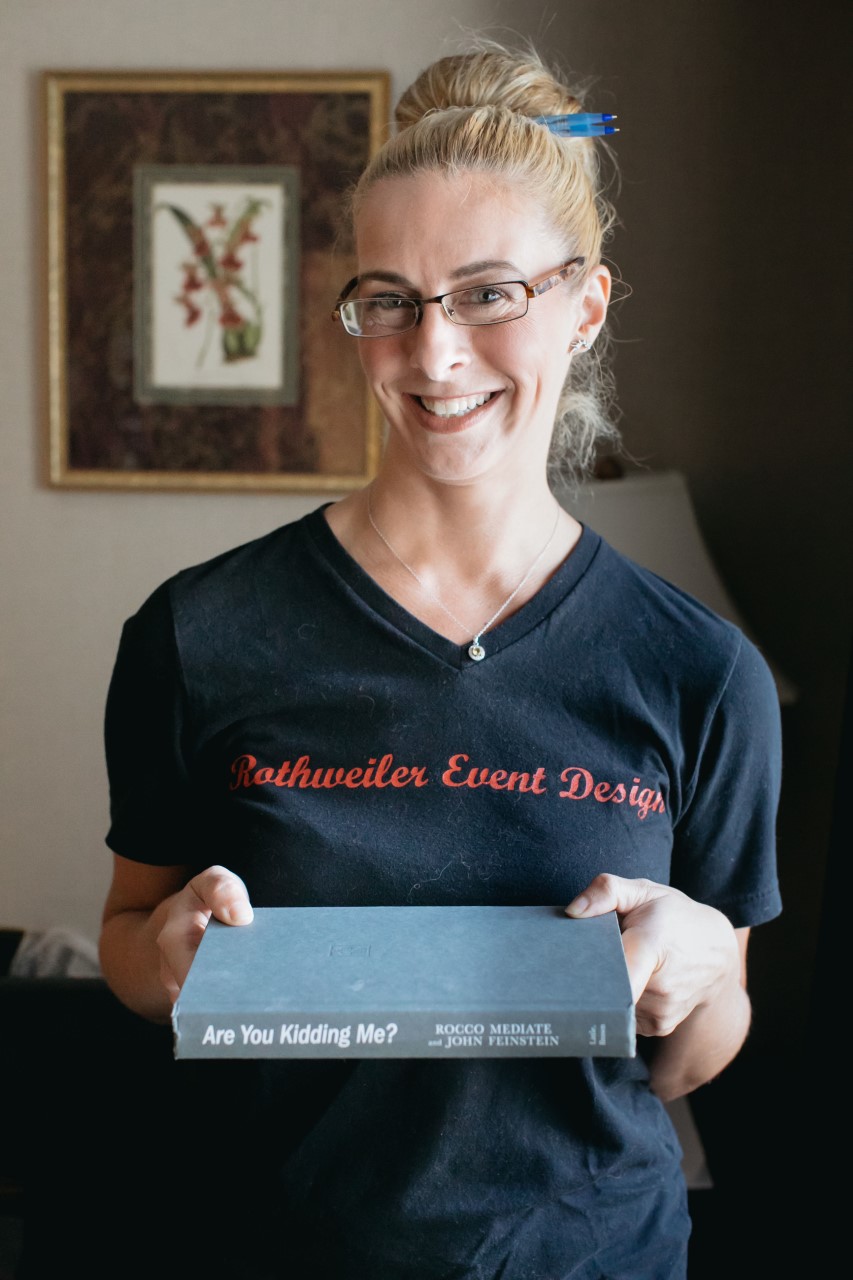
<point x="670" y="1086"/>
<point x="698" y="1050"/>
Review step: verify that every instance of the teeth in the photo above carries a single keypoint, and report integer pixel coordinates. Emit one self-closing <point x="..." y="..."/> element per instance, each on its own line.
<point x="455" y="408"/>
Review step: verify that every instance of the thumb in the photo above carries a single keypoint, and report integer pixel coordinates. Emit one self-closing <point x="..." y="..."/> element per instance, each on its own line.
<point x="223" y="894"/>
<point x="622" y="895"/>
<point x="614" y="893"/>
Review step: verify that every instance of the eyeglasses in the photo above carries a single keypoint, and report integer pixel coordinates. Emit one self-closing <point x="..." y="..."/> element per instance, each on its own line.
<point x="386" y="314"/>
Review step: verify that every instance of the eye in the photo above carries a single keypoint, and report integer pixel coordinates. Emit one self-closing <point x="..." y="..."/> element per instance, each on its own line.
<point x="388" y="302"/>
<point x="483" y="295"/>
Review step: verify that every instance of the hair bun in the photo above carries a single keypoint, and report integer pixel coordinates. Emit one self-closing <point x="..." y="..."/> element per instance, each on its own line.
<point x="493" y="77"/>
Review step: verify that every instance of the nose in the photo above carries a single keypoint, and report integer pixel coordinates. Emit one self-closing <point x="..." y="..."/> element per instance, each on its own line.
<point x="438" y="346"/>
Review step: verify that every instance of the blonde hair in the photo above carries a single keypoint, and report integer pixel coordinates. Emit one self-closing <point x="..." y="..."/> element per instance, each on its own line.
<point x="476" y="112"/>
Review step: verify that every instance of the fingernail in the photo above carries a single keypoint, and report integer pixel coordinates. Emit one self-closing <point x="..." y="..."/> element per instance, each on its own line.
<point x="578" y="907"/>
<point x="239" y="914"/>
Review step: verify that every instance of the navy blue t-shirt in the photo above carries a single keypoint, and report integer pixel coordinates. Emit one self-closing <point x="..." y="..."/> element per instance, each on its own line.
<point x="275" y="711"/>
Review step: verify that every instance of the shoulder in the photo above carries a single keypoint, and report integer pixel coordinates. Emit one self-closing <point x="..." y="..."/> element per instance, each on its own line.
<point x="650" y="605"/>
<point x="240" y="563"/>
<point x="230" y="580"/>
<point x="670" y="641"/>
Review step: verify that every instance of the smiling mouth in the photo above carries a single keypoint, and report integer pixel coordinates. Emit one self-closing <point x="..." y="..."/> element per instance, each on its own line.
<point x="457" y="407"/>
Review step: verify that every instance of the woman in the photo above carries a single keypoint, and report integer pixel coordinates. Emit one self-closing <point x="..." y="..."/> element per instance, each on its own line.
<point x="454" y="617"/>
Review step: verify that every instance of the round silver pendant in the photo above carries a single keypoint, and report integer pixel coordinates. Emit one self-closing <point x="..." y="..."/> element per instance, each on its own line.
<point x="476" y="652"/>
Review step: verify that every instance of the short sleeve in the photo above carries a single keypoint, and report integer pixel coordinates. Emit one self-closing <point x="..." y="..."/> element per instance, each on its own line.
<point x="152" y="808"/>
<point x="725" y="839"/>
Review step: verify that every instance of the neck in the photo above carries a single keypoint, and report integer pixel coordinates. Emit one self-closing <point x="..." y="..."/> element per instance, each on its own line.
<point x="476" y="651"/>
<point x="468" y="530"/>
<point x="462" y="559"/>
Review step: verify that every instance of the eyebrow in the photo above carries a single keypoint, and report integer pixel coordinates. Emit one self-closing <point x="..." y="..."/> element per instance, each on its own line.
<point x="461" y="273"/>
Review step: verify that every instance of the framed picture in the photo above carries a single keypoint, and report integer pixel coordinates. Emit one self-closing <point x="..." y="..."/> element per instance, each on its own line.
<point x="197" y="241"/>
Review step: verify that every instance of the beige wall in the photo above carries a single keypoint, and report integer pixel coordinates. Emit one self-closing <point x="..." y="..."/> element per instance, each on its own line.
<point x="728" y="366"/>
<point x="75" y="563"/>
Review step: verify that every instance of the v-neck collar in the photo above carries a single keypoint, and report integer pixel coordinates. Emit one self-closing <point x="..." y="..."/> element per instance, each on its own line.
<point x="412" y="630"/>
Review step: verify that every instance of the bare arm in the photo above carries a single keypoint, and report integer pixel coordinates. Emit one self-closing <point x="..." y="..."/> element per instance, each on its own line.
<point x="707" y="1040"/>
<point x="687" y="966"/>
<point x="153" y="921"/>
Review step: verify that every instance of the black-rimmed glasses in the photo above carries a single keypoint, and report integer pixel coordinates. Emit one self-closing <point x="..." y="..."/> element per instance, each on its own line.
<point x="388" y="313"/>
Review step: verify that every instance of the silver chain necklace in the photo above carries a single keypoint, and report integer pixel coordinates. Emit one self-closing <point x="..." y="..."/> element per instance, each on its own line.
<point x="476" y="652"/>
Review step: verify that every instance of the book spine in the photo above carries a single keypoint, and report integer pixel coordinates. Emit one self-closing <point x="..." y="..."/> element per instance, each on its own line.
<point x="406" y="1035"/>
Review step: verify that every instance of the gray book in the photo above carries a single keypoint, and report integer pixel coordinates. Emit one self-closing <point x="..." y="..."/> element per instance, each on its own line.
<point x="408" y="982"/>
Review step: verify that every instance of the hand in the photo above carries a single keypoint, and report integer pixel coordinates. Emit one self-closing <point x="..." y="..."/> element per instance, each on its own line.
<point x="215" y="892"/>
<point x="680" y="953"/>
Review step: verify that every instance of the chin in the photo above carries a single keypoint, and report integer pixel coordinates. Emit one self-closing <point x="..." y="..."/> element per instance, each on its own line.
<point x="447" y="463"/>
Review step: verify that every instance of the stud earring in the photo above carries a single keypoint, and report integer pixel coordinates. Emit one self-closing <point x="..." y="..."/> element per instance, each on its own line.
<point x="580" y="344"/>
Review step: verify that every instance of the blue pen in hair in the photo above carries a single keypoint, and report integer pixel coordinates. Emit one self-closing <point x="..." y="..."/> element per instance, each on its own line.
<point x="579" y="124"/>
<point x="578" y="117"/>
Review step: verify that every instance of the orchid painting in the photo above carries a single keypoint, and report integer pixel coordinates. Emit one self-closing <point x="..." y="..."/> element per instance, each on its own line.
<point x="219" y="289"/>
<point x="218" y="268"/>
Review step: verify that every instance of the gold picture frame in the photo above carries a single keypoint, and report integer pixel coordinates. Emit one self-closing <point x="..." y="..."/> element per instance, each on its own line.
<point x="196" y="242"/>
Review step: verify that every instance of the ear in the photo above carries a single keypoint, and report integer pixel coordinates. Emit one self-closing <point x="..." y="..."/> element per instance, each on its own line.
<point x="593" y="306"/>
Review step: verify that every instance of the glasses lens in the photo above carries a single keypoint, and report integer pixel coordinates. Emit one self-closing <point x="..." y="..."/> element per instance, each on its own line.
<point x="487" y="303"/>
<point x="375" y="317"/>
